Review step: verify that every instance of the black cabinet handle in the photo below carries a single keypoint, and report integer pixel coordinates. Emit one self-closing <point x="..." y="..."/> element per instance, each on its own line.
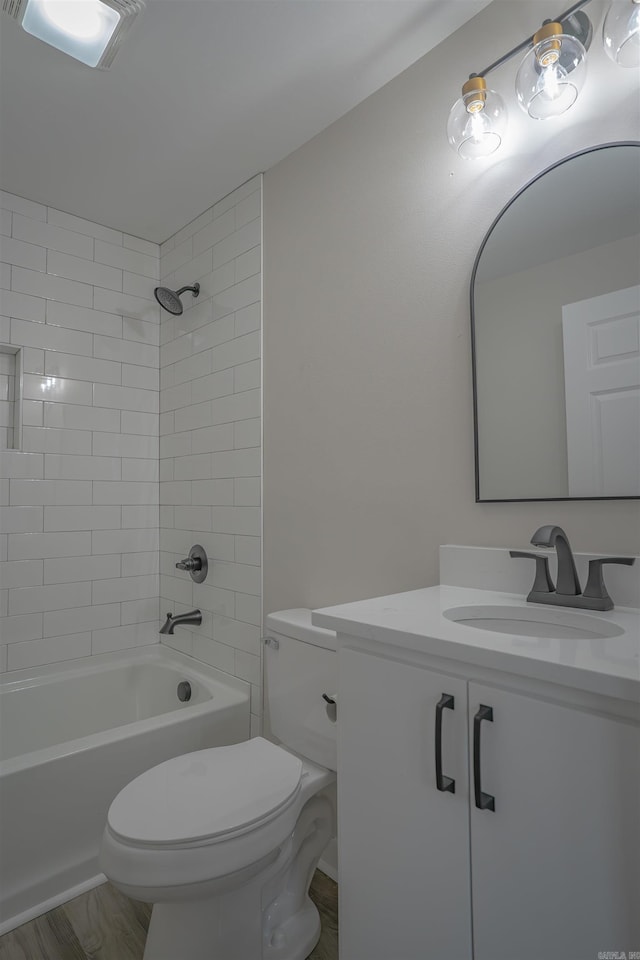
<point x="484" y="801"/>
<point x="446" y="784"/>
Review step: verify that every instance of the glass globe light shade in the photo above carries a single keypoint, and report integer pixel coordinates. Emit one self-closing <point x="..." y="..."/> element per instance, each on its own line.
<point x="477" y="121"/>
<point x="621" y="33"/>
<point x="551" y="74"/>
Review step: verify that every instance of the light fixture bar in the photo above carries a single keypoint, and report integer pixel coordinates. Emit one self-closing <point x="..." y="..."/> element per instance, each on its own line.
<point x="529" y="41"/>
<point x="550" y="77"/>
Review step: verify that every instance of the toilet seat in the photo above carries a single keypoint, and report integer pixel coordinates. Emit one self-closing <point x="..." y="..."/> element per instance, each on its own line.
<point x="206" y="797"/>
<point x="158" y="869"/>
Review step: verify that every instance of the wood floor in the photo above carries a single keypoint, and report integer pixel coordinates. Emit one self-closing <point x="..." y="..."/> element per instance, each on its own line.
<point x="105" y="925"/>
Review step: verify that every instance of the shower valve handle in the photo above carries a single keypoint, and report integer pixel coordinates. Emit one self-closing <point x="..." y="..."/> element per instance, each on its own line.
<point x="196" y="564"/>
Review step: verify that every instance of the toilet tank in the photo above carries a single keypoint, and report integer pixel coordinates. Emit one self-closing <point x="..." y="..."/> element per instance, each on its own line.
<point x="301" y="663"/>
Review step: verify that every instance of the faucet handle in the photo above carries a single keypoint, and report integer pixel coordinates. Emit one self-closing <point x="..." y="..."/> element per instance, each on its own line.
<point x="595" y="588"/>
<point x="196" y="564"/>
<point x="543" y="582"/>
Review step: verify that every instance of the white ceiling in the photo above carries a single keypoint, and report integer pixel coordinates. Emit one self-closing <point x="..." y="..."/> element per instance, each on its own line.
<point x="202" y="95"/>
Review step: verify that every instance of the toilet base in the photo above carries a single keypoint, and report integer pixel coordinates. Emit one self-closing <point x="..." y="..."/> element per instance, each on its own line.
<point x="202" y="930"/>
<point x="268" y="917"/>
<point x="297" y="937"/>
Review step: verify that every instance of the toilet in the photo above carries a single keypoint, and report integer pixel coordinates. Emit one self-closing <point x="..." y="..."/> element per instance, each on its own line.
<point x="224" y="842"/>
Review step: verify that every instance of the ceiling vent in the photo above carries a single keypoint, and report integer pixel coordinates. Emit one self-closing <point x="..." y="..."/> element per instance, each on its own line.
<point x="13" y="8"/>
<point x="90" y="31"/>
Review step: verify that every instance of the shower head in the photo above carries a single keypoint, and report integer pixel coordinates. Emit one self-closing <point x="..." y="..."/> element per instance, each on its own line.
<point x="170" y="299"/>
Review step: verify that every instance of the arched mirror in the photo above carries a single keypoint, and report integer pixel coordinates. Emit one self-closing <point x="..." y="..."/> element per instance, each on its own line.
<point x="555" y="315"/>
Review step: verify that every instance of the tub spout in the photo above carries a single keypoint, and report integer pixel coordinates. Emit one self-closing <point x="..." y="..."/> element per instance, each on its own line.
<point x="193" y="616"/>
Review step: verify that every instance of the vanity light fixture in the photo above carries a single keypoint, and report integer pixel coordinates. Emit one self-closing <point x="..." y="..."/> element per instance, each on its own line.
<point x="550" y="77"/>
<point x="621" y="33"/>
<point x="88" y="30"/>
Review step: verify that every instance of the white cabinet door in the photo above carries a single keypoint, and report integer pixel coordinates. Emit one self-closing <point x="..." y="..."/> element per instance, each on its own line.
<point x="556" y="867"/>
<point x="404" y="845"/>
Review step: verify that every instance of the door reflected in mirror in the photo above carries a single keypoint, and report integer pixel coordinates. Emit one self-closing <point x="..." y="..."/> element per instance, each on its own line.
<point x="555" y="304"/>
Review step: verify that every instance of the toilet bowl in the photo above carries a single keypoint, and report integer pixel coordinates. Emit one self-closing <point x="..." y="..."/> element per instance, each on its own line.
<point x="224" y="842"/>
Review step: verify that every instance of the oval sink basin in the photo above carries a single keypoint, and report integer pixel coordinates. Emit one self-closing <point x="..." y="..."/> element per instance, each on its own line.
<point x="534" y="622"/>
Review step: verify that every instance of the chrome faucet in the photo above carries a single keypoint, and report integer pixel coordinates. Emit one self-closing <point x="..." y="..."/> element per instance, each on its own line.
<point x="567" y="591"/>
<point x="193" y="616"/>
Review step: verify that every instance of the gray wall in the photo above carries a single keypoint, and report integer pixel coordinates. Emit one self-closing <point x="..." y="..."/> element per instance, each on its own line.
<point x="370" y="233"/>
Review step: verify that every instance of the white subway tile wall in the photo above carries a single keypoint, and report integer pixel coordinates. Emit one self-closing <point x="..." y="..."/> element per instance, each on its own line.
<point x="79" y="500"/>
<point x="125" y="409"/>
<point x="210" y="435"/>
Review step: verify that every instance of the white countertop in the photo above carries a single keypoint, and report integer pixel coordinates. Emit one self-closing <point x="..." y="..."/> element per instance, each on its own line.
<point x="414" y="621"/>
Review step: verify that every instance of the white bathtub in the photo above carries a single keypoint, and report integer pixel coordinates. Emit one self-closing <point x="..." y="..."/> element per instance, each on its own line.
<point x="71" y="736"/>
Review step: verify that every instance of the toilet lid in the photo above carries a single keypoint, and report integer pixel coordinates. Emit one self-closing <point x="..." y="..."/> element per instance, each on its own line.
<point x="209" y="794"/>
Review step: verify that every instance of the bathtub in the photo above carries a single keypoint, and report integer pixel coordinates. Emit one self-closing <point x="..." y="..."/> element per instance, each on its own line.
<point x="71" y="736"/>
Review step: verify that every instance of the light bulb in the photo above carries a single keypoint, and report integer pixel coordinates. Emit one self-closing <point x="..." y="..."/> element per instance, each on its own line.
<point x="621" y="33"/>
<point x="551" y="74"/>
<point x="477" y="121"/>
<point x="551" y="82"/>
<point x="79" y="18"/>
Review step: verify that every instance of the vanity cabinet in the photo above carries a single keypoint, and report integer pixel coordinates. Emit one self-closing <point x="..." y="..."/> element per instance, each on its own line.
<point x="551" y="873"/>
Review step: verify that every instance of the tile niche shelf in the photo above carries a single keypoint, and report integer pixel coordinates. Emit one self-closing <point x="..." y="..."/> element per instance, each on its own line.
<point x="10" y="397"/>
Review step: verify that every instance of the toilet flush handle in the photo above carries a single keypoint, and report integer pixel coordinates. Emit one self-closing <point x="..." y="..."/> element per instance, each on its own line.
<point x="331" y="701"/>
